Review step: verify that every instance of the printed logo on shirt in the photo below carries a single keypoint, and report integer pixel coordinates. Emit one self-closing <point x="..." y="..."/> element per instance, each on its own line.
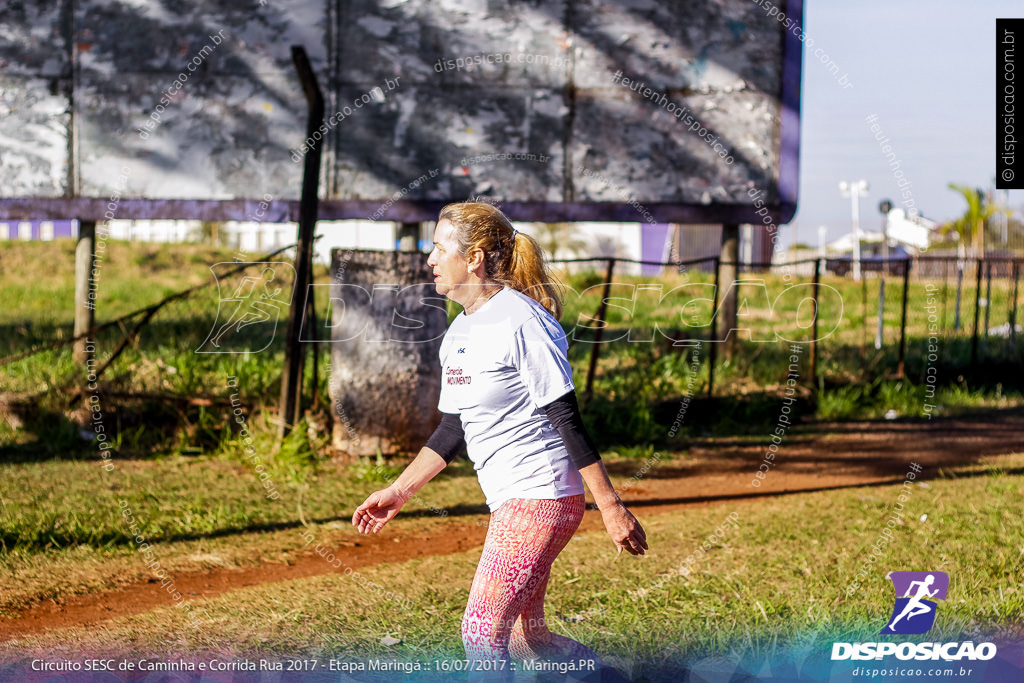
<point x="462" y="350"/>
<point x="455" y="376"/>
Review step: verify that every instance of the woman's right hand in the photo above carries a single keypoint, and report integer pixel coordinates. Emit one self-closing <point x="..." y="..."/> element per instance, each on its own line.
<point x="378" y="509"/>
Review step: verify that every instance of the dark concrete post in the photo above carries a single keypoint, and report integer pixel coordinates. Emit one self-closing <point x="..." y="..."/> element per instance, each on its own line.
<point x="386" y="332"/>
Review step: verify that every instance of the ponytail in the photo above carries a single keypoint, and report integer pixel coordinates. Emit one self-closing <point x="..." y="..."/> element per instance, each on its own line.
<point x="528" y="273"/>
<point x="511" y="258"/>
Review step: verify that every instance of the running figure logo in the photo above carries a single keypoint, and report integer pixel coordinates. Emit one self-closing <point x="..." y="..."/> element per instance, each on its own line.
<point x="254" y="299"/>
<point x="913" y="612"/>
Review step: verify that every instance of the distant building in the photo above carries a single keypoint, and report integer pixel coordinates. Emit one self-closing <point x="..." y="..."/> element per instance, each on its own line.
<point x="912" y="233"/>
<point x="42" y="231"/>
<point x="654" y="243"/>
<point x="663" y="243"/>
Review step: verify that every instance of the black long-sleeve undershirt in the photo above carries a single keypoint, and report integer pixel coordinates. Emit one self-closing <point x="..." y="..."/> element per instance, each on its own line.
<point x="564" y="415"/>
<point x="448" y="439"/>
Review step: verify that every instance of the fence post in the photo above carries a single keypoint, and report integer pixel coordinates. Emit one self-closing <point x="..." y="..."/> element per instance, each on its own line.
<point x="315" y="328"/>
<point x="713" y="337"/>
<point x="959" y="295"/>
<point x="814" y="328"/>
<point x="977" y="302"/>
<point x="864" y="318"/>
<point x="945" y="290"/>
<point x="85" y="312"/>
<point x="903" y="318"/>
<point x="599" y="333"/>
<point x="1013" y="310"/>
<point x="729" y="263"/>
<point x="881" y="313"/>
<point x="291" y="377"/>
<point x="988" y="294"/>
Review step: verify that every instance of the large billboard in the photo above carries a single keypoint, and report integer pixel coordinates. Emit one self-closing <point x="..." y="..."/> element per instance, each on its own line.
<point x="635" y="110"/>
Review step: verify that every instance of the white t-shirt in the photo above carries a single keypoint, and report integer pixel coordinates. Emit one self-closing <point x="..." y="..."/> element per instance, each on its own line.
<point x="499" y="365"/>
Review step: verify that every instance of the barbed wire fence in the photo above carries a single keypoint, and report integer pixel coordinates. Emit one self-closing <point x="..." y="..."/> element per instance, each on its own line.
<point x="970" y="304"/>
<point x="903" y="317"/>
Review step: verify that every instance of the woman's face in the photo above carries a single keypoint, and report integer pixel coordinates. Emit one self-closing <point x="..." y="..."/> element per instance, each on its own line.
<point x="451" y="276"/>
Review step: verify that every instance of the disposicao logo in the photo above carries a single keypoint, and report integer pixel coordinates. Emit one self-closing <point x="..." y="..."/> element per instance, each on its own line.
<point x="914" y="613"/>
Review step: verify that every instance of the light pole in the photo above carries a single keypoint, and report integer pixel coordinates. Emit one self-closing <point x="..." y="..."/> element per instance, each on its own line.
<point x="854" y="191"/>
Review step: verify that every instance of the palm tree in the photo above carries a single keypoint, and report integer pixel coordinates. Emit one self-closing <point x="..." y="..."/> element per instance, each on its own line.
<point x="972" y="223"/>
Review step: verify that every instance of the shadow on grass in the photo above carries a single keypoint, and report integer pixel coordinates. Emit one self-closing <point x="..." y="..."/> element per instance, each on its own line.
<point x="682" y="500"/>
<point x="867" y="448"/>
<point x="44" y="435"/>
<point x="135" y="431"/>
<point x="462" y="510"/>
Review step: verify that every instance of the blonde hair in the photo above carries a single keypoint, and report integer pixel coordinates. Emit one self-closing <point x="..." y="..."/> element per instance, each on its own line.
<point x="511" y="258"/>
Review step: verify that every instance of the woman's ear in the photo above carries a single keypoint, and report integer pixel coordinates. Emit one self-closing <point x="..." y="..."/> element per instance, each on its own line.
<point x="474" y="259"/>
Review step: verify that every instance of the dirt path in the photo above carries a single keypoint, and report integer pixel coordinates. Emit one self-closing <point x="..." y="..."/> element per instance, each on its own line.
<point x="833" y="456"/>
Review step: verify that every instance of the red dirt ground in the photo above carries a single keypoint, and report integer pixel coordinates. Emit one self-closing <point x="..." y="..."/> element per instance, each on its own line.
<point x="833" y="456"/>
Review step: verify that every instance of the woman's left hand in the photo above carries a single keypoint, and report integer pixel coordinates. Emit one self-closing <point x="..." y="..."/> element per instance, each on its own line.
<point x="624" y="529"/>
<point x="379" y="508"/>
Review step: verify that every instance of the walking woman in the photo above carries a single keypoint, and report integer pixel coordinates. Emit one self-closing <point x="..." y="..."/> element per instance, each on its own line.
<point x="507" y="394"/>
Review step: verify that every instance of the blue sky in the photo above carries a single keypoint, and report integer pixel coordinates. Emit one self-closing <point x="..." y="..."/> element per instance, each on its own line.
<point x="927" y="70"/>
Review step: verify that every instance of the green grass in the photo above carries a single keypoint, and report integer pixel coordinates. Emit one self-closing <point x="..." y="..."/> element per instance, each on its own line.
<point x="63" y="530"/>
<point x="641" y="378"/>
<point x="58" y="504"/>
<point x="183" y="471"/>
<point x="775" y="579"/>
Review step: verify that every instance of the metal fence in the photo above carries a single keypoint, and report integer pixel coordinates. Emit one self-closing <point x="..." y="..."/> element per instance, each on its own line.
<point x="900" y="307"/>
<point x="901" y="319"/>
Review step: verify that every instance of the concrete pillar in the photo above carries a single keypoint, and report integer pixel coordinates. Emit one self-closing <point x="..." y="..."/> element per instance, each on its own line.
<point x="85" y="314"/>
<point x="385" y="373"/>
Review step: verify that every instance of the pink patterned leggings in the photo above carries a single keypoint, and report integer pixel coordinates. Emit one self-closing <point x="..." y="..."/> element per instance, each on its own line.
<point x="505" y="614"/>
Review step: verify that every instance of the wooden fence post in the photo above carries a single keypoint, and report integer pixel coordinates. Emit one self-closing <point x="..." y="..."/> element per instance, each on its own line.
<point x="85" y="313"/>
<point x="602" y="310"/>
